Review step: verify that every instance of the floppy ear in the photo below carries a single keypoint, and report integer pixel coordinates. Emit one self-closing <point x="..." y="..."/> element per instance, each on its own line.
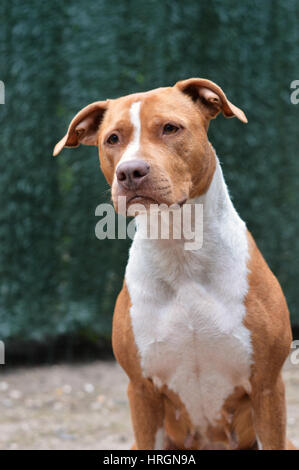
<point x="211" y="97"/>
<point x="84" y="127"/>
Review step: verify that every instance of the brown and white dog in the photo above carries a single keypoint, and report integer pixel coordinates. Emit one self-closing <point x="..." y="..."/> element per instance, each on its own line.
<point x="201" y="334"/>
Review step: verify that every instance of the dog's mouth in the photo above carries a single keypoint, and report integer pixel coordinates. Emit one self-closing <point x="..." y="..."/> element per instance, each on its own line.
<point x="139" y="198"/>
<point x="148" y="200"/>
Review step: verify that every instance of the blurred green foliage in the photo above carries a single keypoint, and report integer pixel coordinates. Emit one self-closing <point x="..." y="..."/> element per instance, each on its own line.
<point x="56" y="57"/>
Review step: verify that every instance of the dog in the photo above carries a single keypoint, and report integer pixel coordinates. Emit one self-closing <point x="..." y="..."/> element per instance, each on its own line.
<point x="203" y="333"/>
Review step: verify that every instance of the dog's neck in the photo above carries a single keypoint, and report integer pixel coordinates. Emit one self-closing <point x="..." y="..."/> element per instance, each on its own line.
<point x="217" y="208"/>
<point x="218" y="264"/>
<point x="216" y="201"/>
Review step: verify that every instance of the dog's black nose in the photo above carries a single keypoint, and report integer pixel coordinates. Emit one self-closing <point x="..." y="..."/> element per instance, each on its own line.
<point x="132" y="173"/>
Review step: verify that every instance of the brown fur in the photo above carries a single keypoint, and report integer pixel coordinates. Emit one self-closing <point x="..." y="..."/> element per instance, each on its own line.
<point x="268" y="321"/>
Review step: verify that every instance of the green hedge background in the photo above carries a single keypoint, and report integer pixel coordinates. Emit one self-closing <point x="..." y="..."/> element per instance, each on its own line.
<point x="56" y="278"/>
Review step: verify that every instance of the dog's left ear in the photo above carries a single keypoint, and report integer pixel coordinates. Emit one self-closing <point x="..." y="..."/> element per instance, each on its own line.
<point x="83" y="129"/>
<point x="211" y="97"/>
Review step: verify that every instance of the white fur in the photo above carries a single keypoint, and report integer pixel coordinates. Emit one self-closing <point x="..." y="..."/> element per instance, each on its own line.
<point x="188" y="308"/>
<point x="132" y="150"/>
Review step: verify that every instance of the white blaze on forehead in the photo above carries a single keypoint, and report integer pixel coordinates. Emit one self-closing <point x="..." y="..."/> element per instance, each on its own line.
<point x="132" y="149"/>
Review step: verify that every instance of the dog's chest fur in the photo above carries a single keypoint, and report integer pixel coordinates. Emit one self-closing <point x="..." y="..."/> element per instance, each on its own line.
<point x="188" y="309"/>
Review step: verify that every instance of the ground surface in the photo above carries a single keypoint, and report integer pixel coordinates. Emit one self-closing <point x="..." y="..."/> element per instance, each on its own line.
<point x="83" y="407"/>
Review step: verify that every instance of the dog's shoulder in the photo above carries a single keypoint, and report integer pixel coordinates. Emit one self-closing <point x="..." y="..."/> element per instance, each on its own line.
<point x="267" y="314"/>
<point x="123" y="341"/>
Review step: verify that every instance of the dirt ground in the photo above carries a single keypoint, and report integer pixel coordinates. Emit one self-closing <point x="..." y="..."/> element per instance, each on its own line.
<point x="83" y="407"/>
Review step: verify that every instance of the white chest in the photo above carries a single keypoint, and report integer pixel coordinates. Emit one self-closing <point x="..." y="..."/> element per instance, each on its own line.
<point x="190" y="342"/>
<point x="187" y="315"/>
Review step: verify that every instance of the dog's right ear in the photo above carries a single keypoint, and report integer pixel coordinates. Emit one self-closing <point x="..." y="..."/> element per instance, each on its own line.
<point x="84" y="127"/>
<point x="212" y="98"/>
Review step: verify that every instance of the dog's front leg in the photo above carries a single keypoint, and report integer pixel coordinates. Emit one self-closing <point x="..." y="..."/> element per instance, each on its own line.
<point x="269" y="414"/>
<point x="147" y="412"/>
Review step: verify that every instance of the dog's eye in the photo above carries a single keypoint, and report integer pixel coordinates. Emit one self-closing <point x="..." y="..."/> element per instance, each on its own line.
<point x="113" y="139"/>
<point x="170" y="129"/>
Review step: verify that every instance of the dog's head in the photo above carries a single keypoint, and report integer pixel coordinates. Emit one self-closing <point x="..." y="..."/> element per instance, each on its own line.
<point x="153" y="146"/>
